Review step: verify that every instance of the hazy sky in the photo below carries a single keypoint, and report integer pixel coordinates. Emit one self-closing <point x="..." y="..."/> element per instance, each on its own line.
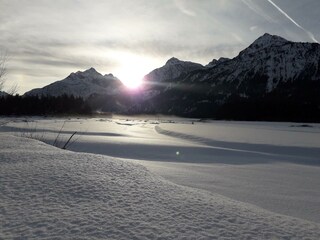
<point x="48" y="39"/>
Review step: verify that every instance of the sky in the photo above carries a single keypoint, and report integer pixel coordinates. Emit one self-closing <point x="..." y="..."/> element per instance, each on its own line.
<point x="46" y="40"/>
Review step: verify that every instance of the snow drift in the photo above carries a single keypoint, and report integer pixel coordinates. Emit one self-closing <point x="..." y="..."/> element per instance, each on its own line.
<point x="46" y="192"/>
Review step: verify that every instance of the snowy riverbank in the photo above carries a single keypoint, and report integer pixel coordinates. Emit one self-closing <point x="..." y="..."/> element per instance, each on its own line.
<point x="46" y="192"/>
<point x="247" y="179"/>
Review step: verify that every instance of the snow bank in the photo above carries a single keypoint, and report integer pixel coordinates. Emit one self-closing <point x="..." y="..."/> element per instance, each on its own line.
<point x="46" y="192"/>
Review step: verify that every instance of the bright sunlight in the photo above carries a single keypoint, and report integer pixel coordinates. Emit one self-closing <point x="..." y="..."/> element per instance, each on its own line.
<point x="133" y="68"/>
<point x="131" y="74"/>
<point x="131" y="77"/>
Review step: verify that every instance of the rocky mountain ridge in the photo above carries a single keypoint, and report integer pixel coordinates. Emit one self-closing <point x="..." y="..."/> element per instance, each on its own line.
<point x="272" y="73"/>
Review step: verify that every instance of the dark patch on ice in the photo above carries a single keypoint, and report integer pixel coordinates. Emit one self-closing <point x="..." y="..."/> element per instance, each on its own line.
<point x="302" y="125"/>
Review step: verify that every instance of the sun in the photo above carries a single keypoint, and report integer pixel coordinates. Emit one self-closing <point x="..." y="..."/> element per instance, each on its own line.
<point x="131" y="76"/>
<point x="132" y="81"/>
<point x="132" y="68"/>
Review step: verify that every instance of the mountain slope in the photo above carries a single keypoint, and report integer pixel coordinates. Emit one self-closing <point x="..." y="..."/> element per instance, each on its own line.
<point x="163" y="77"/>
<point x="80" y="84"/>
<point x="172" y="69"/>
<point x="272" y="73"/>
<point x="267" y="62"/>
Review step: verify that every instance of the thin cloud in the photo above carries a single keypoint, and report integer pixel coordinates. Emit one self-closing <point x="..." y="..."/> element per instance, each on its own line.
<point x="253" y="28"/>
<point x="182" y="7"/>
<point x="46" y="39"/>
<point x="257" y="10"/>
<point x="310" y="34"/>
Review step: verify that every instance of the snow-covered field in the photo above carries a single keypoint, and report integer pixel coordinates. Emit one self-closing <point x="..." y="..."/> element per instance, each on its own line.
<point x="166" y="178"/>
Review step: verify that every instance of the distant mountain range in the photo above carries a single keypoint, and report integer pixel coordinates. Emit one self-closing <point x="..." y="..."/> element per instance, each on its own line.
<point x="272" y="79"/>
<point x="81" y="84"/>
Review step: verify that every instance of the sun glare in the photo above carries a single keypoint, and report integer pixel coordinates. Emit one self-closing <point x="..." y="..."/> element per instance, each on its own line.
<point x="132" y="76"/>
<point x="132" y="68"/>
<point x="131" y="80"/>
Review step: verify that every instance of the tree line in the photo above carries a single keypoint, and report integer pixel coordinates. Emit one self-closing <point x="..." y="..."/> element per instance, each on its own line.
<point x="45" y="105"/>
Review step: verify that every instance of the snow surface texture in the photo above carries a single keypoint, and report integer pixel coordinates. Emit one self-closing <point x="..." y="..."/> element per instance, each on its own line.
<point x="274" y="166"/>
<point x="46" y="192"/>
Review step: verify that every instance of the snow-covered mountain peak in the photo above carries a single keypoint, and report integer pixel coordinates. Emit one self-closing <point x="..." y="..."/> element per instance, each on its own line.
<point x="267" y="40"/>
<point x="171" y="70"/>
<point x="264" y="46"/>
<point x="91" y="72"/>
<point x="173" y="60"/>
<point x="109" y="75"/>
<point x="214" y="62"/>
<point x="81" y="84"/>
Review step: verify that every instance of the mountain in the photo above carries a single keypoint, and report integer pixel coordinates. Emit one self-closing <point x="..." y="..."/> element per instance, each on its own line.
<point x="165" y="75"/>
<point x="215" y="62"/>
<point x="273" y="78"/>
<point x="173" y="68"/>
<point x="266" y="63"/>
<point x="81" y="84"/>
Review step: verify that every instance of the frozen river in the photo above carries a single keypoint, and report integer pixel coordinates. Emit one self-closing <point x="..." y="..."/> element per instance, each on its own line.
<point x="275" y="166"/>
